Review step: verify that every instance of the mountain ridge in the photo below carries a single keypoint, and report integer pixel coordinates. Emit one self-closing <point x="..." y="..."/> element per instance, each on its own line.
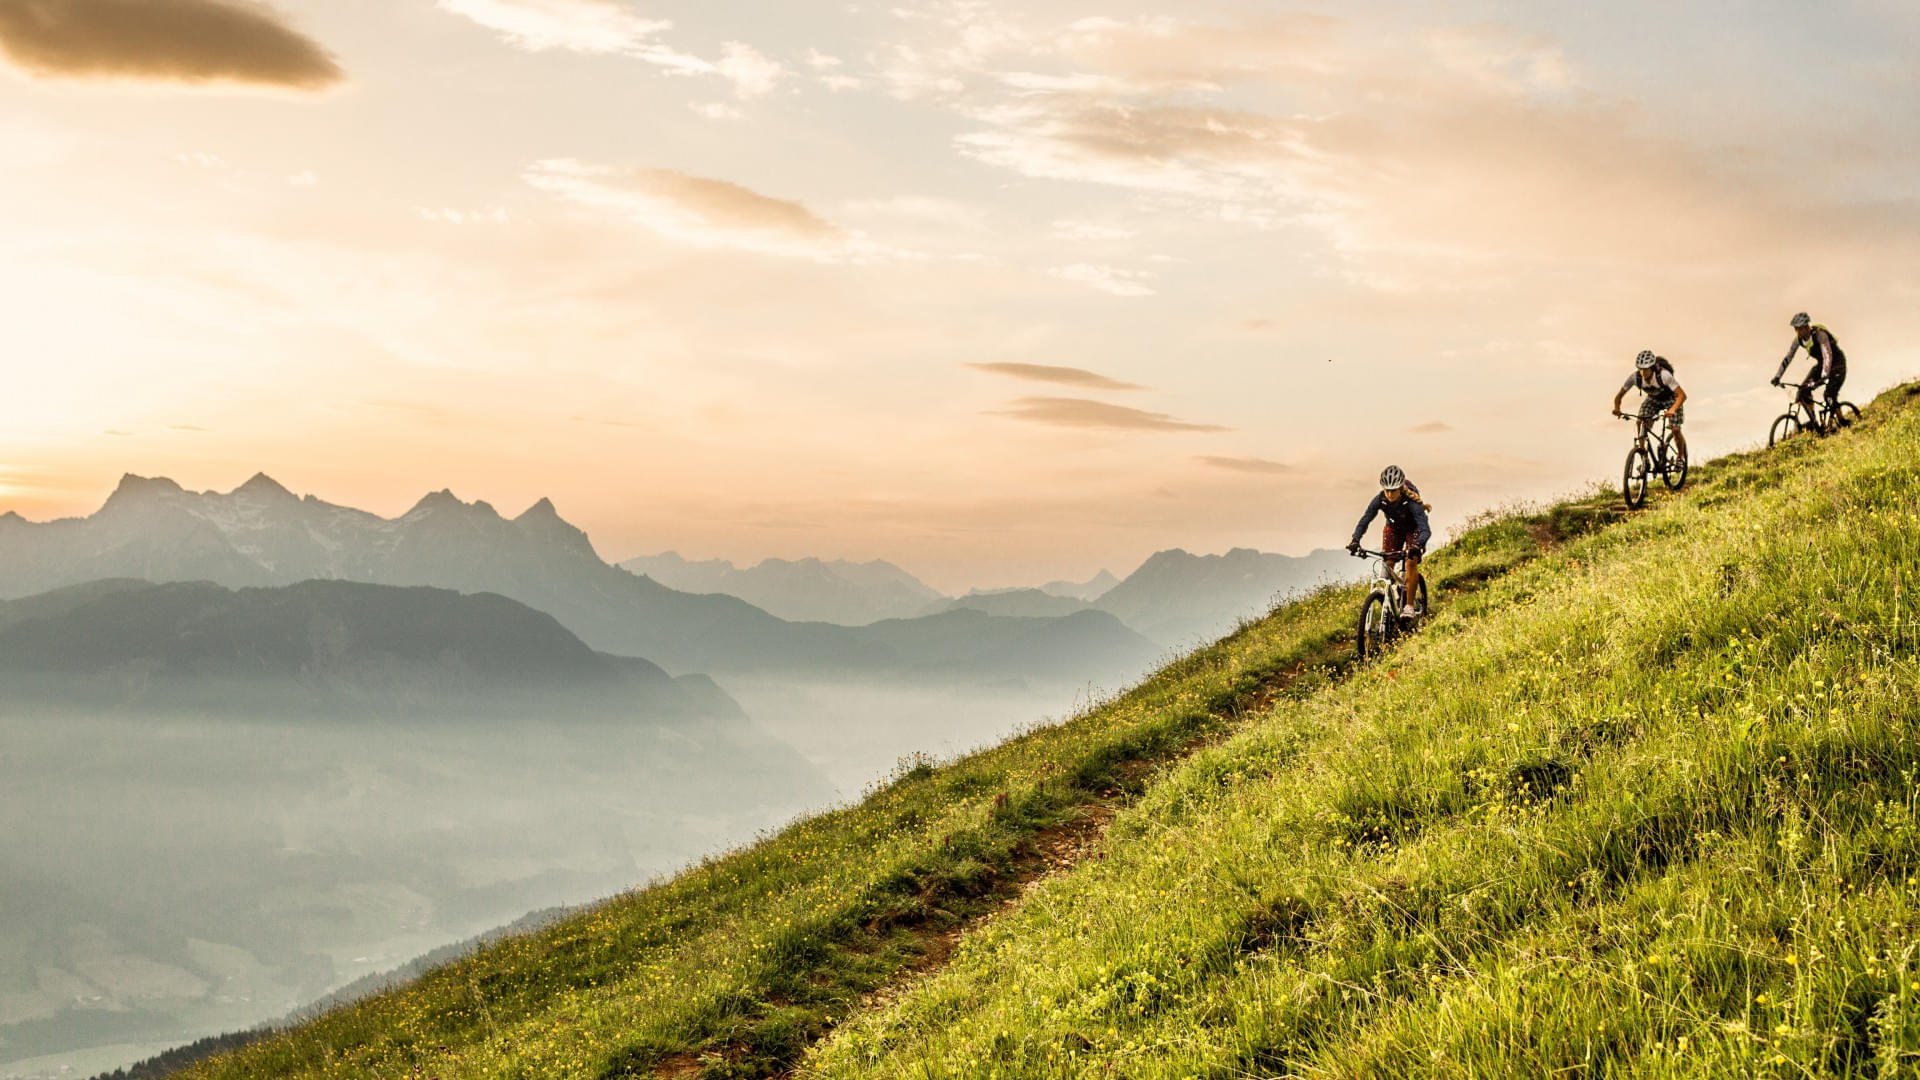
<point x="153" y="529"/>
<point x="321" y="646"/>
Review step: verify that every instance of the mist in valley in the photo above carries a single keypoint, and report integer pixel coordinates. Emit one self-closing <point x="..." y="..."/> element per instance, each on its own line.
<point x="164" y="878"/>
<point x="167" y="877"/>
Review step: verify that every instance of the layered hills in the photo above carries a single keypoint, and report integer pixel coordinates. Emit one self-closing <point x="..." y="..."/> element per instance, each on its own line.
<point x="1173" y="598"/>
<point x="801" y="590"/>
<point x="1638" y="800"/>
<point x="332" y="647"/>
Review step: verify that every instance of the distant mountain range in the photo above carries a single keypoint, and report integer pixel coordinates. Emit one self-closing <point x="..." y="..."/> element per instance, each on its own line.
<point x="1089" y="590"/>
<point x="1174" y="598"/>
<point x="801" y="590"/>
<point x="1178" y="599"/>
<point x="260" y="534"/>
<point x="323" y="647"/>
<point x="1021" y="603"/>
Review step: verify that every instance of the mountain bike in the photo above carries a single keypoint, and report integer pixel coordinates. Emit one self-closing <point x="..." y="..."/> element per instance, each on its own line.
<point x="1819" y="417"/>
<point x="1653" y="453"/>
<point x="1380" y="620"/>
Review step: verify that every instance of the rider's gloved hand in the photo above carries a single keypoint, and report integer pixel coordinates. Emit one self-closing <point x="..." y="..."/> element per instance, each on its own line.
<point x="1353" y="548"/>
<point x="1774" y="381"/>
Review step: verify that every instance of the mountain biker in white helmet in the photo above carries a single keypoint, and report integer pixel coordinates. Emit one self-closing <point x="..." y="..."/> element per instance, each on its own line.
<point x="1653" y="376"/>
<point x="1406" y="528"/>
<point x="1829" y="363"/>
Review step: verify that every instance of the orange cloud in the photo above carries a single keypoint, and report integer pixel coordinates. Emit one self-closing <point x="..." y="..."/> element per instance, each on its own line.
<point x="180" y="41"/>
<point x="1065" y="376"/>
<point x="1082" y="413"/>
<point x="1258" y="466"/>
<point x="695" y="210"/>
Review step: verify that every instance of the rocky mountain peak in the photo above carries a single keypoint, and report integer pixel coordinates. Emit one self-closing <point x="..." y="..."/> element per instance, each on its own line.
<point x="263" y="486"/>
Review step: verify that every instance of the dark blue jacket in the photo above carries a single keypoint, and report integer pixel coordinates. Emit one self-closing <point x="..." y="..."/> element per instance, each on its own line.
<point x="1407" y="515"/>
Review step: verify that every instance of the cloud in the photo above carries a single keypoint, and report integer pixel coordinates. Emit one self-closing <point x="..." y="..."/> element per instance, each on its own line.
<point x="715" y="110"/>
<point x="1260" y="466"/>
<point x="750" y="72"/>
<point x="696" y="210"/>
<point x="1082" y="413"/>
<point x="1065" y="376"/>
<point x="586" y="26"/>
<point x="609" y="28"/>
<point x="1431" y="427"/>
<point x="193" y="42"/>
<point x="1107" y="279"/>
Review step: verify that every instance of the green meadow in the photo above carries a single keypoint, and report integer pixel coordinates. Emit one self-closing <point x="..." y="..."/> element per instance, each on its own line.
<point x="1640" y="800"/>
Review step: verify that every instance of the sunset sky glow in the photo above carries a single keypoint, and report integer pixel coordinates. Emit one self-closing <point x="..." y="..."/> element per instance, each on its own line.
<point x="999" y="292"/>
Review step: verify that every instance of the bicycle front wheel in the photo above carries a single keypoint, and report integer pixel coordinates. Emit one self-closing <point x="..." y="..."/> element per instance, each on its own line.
<point x="1370" y="636"/>
<point x="1784" y="428"/>
<point x="1633" y="480"/>
<point x="1675" y="474"/>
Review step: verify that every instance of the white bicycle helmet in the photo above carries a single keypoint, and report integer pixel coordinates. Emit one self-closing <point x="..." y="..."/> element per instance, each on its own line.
<point x="1645" y="360"/>
<point x="1801" y="322"/>
<point x="1392" y="479"/>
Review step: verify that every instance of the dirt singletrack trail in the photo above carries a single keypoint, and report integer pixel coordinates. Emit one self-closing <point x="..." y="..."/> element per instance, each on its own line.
<point x="936" y="931"/>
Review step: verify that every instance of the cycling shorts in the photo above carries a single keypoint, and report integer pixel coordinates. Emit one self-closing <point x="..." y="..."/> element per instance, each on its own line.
<point x="1650" y="411"/>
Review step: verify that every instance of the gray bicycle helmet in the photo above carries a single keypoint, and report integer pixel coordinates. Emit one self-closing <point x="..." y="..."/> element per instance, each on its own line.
<point x="1801" y="322"/>
<point x="1392" y="479"/>
<point x="1645" y="360"/>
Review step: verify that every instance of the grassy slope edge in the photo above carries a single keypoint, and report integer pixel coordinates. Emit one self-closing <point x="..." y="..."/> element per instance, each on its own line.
<point x="739" y="965"/>
<point x="1658" y="816"/>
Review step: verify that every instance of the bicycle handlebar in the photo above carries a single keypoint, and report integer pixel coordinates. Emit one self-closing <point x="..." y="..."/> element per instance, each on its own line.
<point x="1394" y="556"/>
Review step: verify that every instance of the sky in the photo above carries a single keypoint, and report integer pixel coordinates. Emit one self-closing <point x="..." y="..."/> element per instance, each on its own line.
<point x="999" y="292"/>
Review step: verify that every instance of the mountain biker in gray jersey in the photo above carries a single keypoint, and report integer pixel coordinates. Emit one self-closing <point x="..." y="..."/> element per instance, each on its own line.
<point x="1829" y="363"/>
<point x="1406" y="528"/>
<point x="1663" y="394"/>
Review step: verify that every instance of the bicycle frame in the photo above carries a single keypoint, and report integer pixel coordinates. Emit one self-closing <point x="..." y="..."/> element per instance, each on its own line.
<point x="1819" y="415"/>
<point x="1389" y="580"/>
<point x="1658" y="430"/>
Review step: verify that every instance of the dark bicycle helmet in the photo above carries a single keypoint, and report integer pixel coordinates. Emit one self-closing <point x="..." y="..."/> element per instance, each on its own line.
<point x="1392" y="479"/>
<point x="1801" y="321"/>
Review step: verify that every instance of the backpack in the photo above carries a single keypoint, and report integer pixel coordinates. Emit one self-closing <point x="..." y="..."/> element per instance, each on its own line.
<point x="1661" y="366"/>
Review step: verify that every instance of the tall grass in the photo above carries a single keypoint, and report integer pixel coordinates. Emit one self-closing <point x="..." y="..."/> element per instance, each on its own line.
<point x="1580" y="818"/>
<point x="750" y="957"/>
<point x="1657" y="812"/>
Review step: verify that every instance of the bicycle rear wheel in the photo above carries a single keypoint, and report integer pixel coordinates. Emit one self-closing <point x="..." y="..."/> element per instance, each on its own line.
<point x="1784" y="428"/>
<point x="1633" y="479"/>
<point x="1848" y="412"/>
<point x="1675" y="474"/>
<point x="1370" y="635"/>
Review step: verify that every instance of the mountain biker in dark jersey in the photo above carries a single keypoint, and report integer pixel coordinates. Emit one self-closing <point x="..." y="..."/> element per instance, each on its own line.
<point x="1654" y="378"/>
<point x="1829" y="363"/>
<point x="1406" y="528"/>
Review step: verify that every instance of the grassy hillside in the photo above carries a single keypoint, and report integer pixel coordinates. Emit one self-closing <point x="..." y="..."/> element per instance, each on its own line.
<point x="1657" y="817"/>
<point x="1641" y="799"/>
